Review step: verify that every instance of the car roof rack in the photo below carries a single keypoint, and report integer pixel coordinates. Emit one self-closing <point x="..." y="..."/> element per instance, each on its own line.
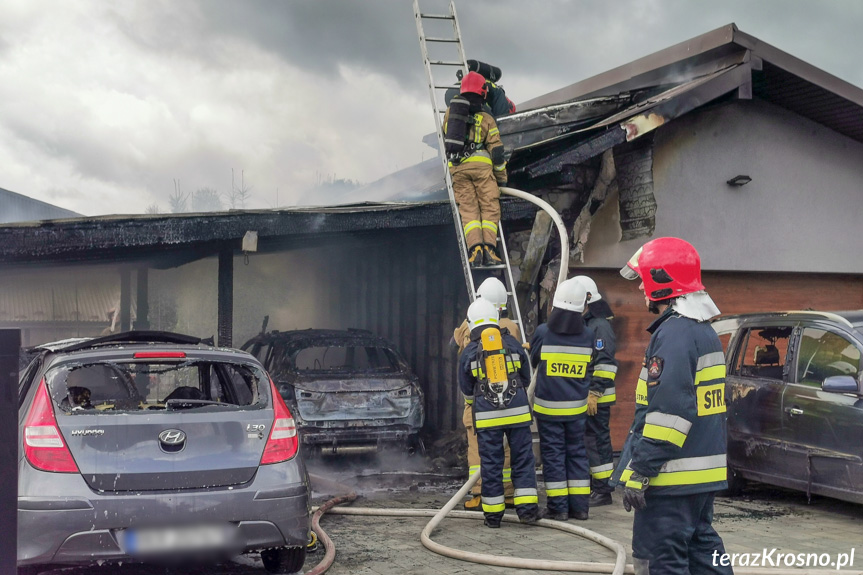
<point x="125" y="337"/>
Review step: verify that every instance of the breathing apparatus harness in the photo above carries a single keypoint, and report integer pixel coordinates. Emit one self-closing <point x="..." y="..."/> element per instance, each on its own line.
<point x="498" y="379"/>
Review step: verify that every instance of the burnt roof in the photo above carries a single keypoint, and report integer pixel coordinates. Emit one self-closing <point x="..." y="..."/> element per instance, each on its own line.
<point x="777" y="77"/>
<point x="165" y="240"/>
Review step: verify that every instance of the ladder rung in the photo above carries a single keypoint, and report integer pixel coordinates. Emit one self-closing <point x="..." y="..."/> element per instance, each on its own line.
<point x="494" y="267"/>
<point x="436" y="16"/>
<point x="450" y="40"/>
<point x="442" y="63"/>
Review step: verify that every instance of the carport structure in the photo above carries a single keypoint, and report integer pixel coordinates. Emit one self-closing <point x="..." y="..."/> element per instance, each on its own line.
<point x="390" y="268"/>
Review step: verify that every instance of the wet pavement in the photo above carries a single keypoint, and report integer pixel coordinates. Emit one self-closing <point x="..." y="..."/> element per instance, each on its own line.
<point x="762" y="518"/>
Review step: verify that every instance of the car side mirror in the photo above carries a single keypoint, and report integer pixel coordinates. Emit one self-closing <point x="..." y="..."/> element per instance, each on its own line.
<point x="840" y="384"/>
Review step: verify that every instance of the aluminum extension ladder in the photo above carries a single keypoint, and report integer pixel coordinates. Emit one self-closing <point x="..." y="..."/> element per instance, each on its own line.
<point x="436" y="92"/>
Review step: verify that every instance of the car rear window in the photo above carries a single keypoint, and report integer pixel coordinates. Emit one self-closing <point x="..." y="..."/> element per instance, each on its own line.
<point x="141" y="386"/>
<point x="345" y="359"/>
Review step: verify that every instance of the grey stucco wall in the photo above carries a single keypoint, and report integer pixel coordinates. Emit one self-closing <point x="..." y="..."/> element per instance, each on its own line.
<point x="802" y="212"/>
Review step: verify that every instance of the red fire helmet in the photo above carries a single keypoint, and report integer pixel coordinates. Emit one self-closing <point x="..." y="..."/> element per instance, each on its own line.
<point x="474" y="83"/>
<point x="668" y="267"/>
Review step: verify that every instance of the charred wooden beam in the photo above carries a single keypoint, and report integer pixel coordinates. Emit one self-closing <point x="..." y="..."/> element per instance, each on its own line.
<point x="535" y="252"/>
<point x="142" y="308"/>
<point x="125" y="299"/>
<point x="226" y="297"/>
<point x="575" y="154"/>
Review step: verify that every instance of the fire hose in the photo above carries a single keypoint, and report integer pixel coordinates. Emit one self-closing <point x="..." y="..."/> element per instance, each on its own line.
<point x="619" y="566"/>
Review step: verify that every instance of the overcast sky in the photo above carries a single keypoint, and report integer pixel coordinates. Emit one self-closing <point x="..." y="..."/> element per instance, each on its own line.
<point x="104" y="104"/>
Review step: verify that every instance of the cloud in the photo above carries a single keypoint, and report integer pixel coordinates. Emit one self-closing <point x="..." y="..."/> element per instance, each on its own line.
<point x="103" y="105"/>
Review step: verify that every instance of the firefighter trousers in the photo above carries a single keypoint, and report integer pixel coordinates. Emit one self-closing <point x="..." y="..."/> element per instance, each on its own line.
<point x="473" y="456"/>
<point x="597" y="440"/>
<point x="478" y="199"/>
<point x="564" y="464"/>
<point x="490" y="442"/>
<point x="674" y="535"/>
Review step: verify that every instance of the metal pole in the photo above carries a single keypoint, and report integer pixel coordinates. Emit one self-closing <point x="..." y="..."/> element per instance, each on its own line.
<point x="226" y="296"/>
<point x="10" y="347"/>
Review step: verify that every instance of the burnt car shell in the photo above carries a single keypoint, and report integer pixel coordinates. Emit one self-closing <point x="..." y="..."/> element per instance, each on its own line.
<point x="348" y="389"/>
<point x="794" y="393"/>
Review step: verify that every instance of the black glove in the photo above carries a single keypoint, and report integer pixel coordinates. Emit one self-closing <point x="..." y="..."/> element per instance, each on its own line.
<point x="633" y="493"/>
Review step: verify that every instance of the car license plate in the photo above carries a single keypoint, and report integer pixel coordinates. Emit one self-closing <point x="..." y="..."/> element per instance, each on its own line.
<point x="176" y="539"/>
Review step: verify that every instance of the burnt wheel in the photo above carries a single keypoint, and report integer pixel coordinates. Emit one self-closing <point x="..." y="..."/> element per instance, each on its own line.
<point x="735" y="483"/>
<point x="284" y="559"/>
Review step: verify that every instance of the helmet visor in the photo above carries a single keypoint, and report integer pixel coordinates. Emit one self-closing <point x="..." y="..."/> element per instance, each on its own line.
<point x="630" y="270"/>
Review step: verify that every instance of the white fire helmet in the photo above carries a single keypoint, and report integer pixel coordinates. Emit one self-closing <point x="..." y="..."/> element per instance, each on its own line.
<point x="570" y="295"/>
<point x="481" y="312"/>
<point x="589" y="285"/>
<point x="493" y="290"/>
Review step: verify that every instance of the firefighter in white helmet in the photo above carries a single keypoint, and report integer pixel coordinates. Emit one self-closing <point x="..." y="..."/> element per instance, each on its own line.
<point x="493" y="375"/>
<point x="597" y="435"/>
<point x="562" y="351"/>
<point x="492" y="290"/>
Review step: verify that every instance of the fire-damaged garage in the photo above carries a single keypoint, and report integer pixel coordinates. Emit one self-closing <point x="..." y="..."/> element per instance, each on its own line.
<point x="351" y="316"/>
<point x="753" y="155"/>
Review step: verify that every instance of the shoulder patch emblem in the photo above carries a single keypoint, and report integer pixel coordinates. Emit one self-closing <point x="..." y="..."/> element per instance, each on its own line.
<point x="654" y="367"/>
<point x="600" y="345"/>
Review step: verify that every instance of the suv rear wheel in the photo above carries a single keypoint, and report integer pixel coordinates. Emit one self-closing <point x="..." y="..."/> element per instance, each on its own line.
<point x="284" y="559"/>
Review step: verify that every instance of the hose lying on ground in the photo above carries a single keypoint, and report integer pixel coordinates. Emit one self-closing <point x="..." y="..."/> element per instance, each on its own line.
<point x="617" y="568"/>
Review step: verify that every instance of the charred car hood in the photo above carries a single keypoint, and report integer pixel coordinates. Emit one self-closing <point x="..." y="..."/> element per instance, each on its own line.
<point x="351" y="384"/>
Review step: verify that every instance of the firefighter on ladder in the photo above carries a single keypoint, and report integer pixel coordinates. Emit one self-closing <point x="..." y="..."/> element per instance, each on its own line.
<point x="492" y="290"/>
<point x="674" y="460"/>
<point x="597" y="434"/>
<point x="493" y="374"/>
<point x="562" y="351"/>
<point x="477" y="167"/>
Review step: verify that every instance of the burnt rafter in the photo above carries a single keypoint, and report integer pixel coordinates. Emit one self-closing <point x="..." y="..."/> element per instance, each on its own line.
<point x="183" y="236"/>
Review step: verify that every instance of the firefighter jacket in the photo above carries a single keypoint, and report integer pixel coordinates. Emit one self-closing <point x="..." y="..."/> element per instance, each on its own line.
<point x="563" y="367"/>
<point x="483" y="141"/>
<point x="678" y="436"/>
<point x="471" y="373"/>
<point x="605" y="365"/>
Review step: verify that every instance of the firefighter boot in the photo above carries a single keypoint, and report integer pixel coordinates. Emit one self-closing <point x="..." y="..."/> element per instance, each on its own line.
<point x="491" y="258"/>
<point x="474" y="257"/>
<point x="473" y="504"/>
<point x="553" y="515"/>
<point x="598" y="499"/>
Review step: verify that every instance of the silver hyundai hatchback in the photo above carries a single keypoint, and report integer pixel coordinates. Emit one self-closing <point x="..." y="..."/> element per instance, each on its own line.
<point x="153" y="446"/>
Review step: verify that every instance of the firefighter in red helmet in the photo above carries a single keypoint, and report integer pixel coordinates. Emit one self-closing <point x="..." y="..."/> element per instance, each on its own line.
<point x="477" y="166"/>
<point x="673" y="462"/>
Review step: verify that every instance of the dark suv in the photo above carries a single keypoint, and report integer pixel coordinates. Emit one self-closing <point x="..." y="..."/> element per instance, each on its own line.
<point x="795" y="400"/>
<point x="350" y="390"/>
<point x="148" y="445"/>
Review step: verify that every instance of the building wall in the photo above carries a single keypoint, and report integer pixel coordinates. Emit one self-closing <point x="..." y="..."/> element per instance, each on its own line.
<point x="800" y="213"/>
<point x="17" y="208"/>
<point x="733" y="293"/>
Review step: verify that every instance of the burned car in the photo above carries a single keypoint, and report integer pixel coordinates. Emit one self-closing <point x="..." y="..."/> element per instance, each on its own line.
<point x="349" y="390"/>
<point x="145" y="446"/>
<point x="794" y="396"/>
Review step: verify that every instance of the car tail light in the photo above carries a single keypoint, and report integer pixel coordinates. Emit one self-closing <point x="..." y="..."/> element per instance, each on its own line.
<point x="283" y="442"/>
<point x="159" y="354"/>
<point x="43" y="444"/>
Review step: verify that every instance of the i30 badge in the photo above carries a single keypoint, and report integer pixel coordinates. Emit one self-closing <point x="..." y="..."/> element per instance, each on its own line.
<point x="172" y="440"/>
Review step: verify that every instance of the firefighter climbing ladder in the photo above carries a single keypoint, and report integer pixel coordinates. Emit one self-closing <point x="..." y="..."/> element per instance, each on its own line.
<point x="436" y="89"/>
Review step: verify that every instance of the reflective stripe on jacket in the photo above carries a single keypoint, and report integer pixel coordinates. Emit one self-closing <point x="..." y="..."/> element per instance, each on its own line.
<point x="605" y="368"/>
<point x="564" y="364"/>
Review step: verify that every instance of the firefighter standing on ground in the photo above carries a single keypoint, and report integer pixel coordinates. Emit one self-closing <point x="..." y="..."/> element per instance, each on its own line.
<point x="477" y="166"/>
<point x="562" y="351"/>
<point x="673" y="462"/>
<point x="494" y="291"/>
<point x="597" y="435"/>
<point x="499" y="410"/>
